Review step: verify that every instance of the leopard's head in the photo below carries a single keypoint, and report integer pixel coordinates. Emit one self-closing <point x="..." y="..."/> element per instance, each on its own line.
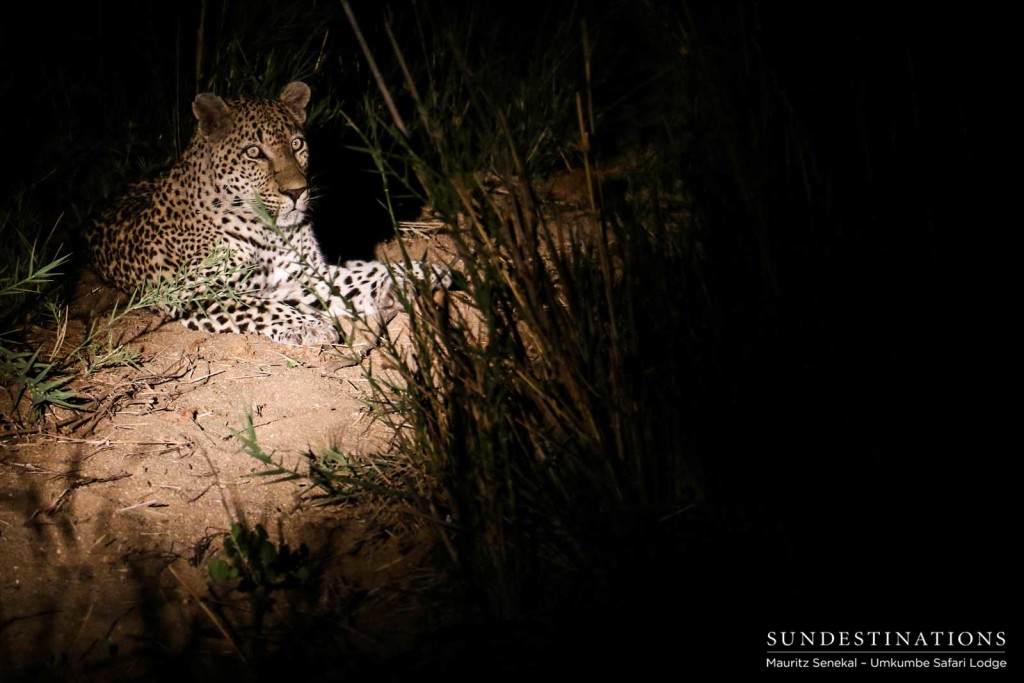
<point x="257" y="150"/>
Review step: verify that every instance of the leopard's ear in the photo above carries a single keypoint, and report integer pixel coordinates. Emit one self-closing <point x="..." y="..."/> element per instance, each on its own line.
<point x="214" y="116"/>
<point x="296" y="96"/>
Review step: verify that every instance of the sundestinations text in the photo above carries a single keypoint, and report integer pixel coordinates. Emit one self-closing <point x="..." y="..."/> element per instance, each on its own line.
<point x="886" y="638"/>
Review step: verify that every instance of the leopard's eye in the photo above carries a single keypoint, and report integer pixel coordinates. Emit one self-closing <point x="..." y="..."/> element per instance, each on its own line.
<point x="298" y="143"/>
<point x="253" y="152"/>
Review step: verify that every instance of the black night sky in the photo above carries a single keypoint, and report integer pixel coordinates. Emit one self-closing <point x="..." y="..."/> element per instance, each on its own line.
<point x="861" y="477"/>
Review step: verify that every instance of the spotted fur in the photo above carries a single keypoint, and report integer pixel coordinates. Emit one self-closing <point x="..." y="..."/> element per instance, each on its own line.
<point x="241" y="186"/>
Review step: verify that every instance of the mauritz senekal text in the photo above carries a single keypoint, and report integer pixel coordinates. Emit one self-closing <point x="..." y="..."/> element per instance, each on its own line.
<point x="885" y="663"/>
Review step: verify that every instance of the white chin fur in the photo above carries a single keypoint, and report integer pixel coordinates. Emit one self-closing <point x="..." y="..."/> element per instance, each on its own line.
<point x="290" y="218"/>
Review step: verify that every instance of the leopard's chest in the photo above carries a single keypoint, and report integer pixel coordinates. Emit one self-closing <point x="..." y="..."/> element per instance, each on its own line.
<point x="273" y="257"/>
<point x="274" y="268"/>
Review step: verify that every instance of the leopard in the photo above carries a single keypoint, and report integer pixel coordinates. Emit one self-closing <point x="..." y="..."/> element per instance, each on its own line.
<point x="240" y="190"/>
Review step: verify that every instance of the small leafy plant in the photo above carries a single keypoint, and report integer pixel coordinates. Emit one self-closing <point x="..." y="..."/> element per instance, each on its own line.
<point x="335" y="473"/>
<point x="257" y="564"/>
<point x="37" y="381"/>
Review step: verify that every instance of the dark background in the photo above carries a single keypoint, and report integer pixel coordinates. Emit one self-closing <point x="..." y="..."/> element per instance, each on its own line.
<point x="859" y="475"/>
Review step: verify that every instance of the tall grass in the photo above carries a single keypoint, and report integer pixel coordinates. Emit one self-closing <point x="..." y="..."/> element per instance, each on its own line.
<point x="552" y="411"/>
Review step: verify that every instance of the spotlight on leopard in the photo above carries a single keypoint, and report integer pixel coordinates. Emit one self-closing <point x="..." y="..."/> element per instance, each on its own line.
<point x="240" y="190"/>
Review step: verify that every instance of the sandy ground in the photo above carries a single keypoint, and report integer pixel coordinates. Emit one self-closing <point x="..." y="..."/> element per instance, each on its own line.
<point x="106" y="532"/>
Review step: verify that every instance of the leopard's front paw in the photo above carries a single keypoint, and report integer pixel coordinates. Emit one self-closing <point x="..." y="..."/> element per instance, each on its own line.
<point x="310" y="332"/>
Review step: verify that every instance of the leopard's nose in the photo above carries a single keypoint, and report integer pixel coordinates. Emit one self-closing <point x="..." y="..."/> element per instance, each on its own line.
<point x="294" y="193"/>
